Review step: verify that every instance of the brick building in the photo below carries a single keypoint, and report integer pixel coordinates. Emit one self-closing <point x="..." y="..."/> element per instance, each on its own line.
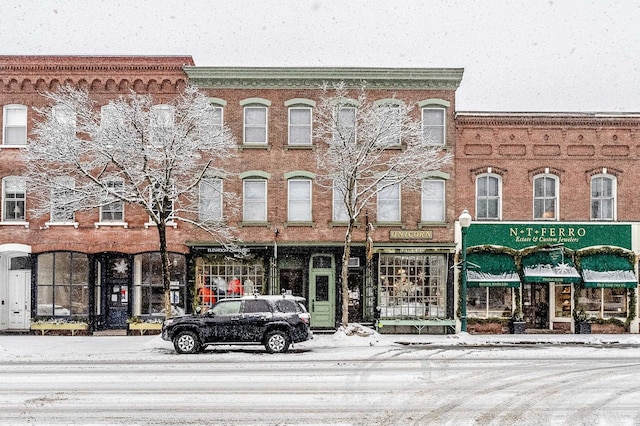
<point x="555" y="215"/>
<point x="94" y="268"/>
<point x="104" y="269"/>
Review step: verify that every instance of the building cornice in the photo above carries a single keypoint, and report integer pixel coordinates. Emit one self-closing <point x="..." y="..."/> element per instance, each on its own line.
<point x="561" y="120"/>
<point x="313" y="78"/>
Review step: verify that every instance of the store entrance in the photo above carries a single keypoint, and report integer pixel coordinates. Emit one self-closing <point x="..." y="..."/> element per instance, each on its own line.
<point x="116" y="281"/>
<point x="535" y="305"/>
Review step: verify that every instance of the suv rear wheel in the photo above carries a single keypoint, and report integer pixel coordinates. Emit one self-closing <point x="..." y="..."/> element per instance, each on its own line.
<point x="186" y="342"/>
<point x="277" y="341"/>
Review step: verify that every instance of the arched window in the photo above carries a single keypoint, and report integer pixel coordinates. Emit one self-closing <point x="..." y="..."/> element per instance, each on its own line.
<point x="488" y="197"/>
<point x="603" y="197"/>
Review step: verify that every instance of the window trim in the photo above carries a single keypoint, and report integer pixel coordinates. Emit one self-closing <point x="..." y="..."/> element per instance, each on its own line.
<point x="424" y="126"/>
<point x="208" y="181"/>
<point x="22" y="186"/>
<point x="614" y="197"/>
<point x="264" y="199"/>
<point x="290" y="126"/>
<point x="399" y="203"/>
<point x="556" y="198"/>
<point x="335" y="190"/>
<point x="122" y="222"/>
<point x="153" y="125"/>
<point x="423" y="200"/>
<point x="266" y="124"/>
<point x="6" y="126"/>
<point x="310" y="199"/>
<point x="488" y="198"/>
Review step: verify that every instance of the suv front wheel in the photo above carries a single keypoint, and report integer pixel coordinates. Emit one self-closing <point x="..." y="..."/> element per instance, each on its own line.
<point x="186" y="342"/>
<point x="277" y="341"/>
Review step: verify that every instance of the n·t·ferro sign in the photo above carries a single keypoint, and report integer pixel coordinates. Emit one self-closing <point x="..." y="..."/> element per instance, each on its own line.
<point x="411" y="235"/>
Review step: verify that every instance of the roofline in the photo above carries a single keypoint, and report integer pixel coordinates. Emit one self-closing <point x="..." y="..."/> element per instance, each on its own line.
<point x="314" y="77"/>
<point x="515" y="114"/>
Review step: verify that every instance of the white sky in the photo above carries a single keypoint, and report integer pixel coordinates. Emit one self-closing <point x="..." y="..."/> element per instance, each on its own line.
<point x="519" y="55"/>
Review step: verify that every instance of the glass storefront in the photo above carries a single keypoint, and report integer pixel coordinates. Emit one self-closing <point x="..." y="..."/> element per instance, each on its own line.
<point x="489" y="302"/>
<point x="62" y="285"/>
<point x="219" y="278"/>
<point x="148" y="293"/>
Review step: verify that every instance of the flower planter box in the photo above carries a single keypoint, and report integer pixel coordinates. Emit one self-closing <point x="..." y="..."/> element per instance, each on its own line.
<point x="517" y="327"/>
<point x="71" y="327"/>
<point x="145" y="327"/>
<point x="485" y="328"/>
<point x="607" y="328"/>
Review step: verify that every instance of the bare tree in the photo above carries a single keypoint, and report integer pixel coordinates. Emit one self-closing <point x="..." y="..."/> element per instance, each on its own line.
<point x="366" y="150"/>
<point x="130" y="151"/>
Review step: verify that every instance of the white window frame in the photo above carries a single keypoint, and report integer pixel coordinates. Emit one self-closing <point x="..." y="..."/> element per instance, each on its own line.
<point x="113" y="222"/>
<point x="613" y="199"/>
<point x="488" y="198"/>
<point x="430" y="202"/>
<point x="217" y="117"/>
<point x="302" y="199"/>
<point x="170" y="221"/>
<point x="64" y="184"/>
<point x="392" y="110"/>
<point x="14" y="214"/>
<point x="427" y="129"/>
<point x="65" y="117"/>
<point x="544" y="198"/>
<point x="256" y="202"/>
<point x="210" y="199"/>
<point x="162" y="119"/>
<point x="264" y="125"/>
<point x="340" y="212"/>
<point x="340" y="125"/>
<point x="391" y="194"/>
<point x="301" y="127"/>
<point x="17" y="124"/>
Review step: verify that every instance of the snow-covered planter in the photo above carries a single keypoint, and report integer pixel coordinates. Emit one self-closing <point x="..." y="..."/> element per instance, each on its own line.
<point x="59" y="326"/>
<point x="145" y="325"/>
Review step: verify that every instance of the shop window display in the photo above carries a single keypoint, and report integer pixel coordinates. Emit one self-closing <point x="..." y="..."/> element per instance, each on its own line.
<point x="604" y="302"/>
<point x="62" y="287"/>
<point x="489" y="302"/>
<point x="148" y="292"/>
<point x="412" y="286"/>
<point x="223" y="279"/>
<point x="563" y="301"/>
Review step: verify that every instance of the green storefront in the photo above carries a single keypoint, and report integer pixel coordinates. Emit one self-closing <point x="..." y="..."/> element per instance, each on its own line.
<point x="551" y="274"/>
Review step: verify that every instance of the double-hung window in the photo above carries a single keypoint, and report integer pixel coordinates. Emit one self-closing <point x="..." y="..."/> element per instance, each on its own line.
<point x="14" y="199"/>
<point x="390" y="119"/>
<point x="300" y="125"/>
<point x="433" y="125"/>
<point x="210" y="200"/>
<point x="340" y="212"/>
<point x="433" y="203"/>
<point x="254" y="200"/>
<point x="299" y="200"/>
<point x="66" y="119"/>
<point x="62" y="210"/>
<point x="15" y="125"/>
<point x="161" y="125"/>
<point x="255" y="124"/>
<point x="603" y="197"/>
<point x="488" y="197"/>
<point x="388" y="202"/>
<point x="545" y="197"/>
<point x="113" y="209"/>
<point x="345" y="130"/>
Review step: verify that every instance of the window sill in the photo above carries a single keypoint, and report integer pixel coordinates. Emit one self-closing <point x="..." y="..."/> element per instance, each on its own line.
<point x="389" y="224"/>
<point x="299" y="224"/>
<point x="13" y="146"/>
<point x="15" y="223"/>
<point x="432" y="225"/>
<point x="48" y="225"/>
<point x="255" y="146"/>
<point x="300" y="147"/>
<point x="255" y="224"/>
<point x="124" y="225"/>
<point x="171" y="223"/>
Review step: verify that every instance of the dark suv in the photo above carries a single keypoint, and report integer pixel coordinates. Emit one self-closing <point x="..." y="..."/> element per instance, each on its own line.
<point x="274" y="321"/>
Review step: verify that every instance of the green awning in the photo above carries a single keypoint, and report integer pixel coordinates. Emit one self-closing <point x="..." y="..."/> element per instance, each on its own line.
<point x="491" y="269"/>
<point x="607" y="270"/>
<point x="549" y="265"/>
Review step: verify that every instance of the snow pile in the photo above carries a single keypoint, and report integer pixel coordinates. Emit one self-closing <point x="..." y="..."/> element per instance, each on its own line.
<point x="356" y="335"/>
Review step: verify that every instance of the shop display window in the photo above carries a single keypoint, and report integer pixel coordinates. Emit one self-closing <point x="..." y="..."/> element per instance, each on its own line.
<point x="62" y="285"/>
<point x="222" y="279"/>
<point x="489" y="302"/>
<point x="412" y="286"/>
<point x="563" y="301"/>
<point x="148" y="290"/>
<point x="604" y="302"/>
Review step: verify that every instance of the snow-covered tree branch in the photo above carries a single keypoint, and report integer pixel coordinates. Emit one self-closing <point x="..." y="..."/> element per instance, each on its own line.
<point x="132" y="151"/>
<point x="366" y="149"/>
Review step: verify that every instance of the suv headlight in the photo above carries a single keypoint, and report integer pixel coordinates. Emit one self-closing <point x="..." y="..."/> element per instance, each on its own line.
<point x="168" y="322"/>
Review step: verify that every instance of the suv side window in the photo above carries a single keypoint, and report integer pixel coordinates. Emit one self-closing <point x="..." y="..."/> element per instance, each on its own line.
<point x="231" y="307"/>
<point x="253" y="306"/>
<point x="287" y="306"/>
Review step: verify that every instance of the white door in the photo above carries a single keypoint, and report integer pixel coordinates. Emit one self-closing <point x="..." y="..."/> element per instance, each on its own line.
<point x="19" y="300"/>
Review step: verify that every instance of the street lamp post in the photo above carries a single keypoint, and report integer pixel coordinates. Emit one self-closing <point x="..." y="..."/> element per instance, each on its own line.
<point x="465" y="222"/>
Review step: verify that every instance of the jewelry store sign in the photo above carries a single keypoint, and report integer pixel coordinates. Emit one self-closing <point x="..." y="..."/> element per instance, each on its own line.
<point x="411" y="235"/>
<point x="572" y="236"/>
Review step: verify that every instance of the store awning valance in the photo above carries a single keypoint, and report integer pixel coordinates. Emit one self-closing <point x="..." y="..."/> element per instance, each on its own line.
<point x="608" y="270"/>
<point x="549" y="265"/>
<point x="490" y="269"/>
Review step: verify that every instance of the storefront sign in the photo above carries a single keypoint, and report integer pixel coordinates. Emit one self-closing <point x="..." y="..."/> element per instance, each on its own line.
<point x="573" y="236"/>
<point x="411" y="235"/>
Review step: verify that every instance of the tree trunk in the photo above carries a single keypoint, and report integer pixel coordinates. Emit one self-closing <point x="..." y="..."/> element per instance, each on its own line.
<point x="166" y="272"/>
<point x="346" y="254"/>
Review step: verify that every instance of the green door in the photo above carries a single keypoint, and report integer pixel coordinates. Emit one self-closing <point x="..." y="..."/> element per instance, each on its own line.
<point x="322" y="291"/>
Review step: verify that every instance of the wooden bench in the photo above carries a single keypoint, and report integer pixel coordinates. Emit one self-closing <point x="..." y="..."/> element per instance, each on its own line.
<point x="73" y="327"/>
<point x="418" y="323"/>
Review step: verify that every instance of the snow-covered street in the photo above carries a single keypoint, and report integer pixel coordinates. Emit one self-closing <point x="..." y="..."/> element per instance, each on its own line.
<point x="334" y="379"/>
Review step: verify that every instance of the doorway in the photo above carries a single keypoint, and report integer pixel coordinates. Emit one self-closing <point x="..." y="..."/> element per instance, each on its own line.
<point x="535" y="305"/>
<point x="19" y="300"/>
<point x="322" y="291"/>
<point x="116" y="283"/>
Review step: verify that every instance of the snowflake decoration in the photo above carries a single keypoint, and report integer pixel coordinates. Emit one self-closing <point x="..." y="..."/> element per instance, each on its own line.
<point x="563" y="269"/>
<point x="121" y="266"/>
